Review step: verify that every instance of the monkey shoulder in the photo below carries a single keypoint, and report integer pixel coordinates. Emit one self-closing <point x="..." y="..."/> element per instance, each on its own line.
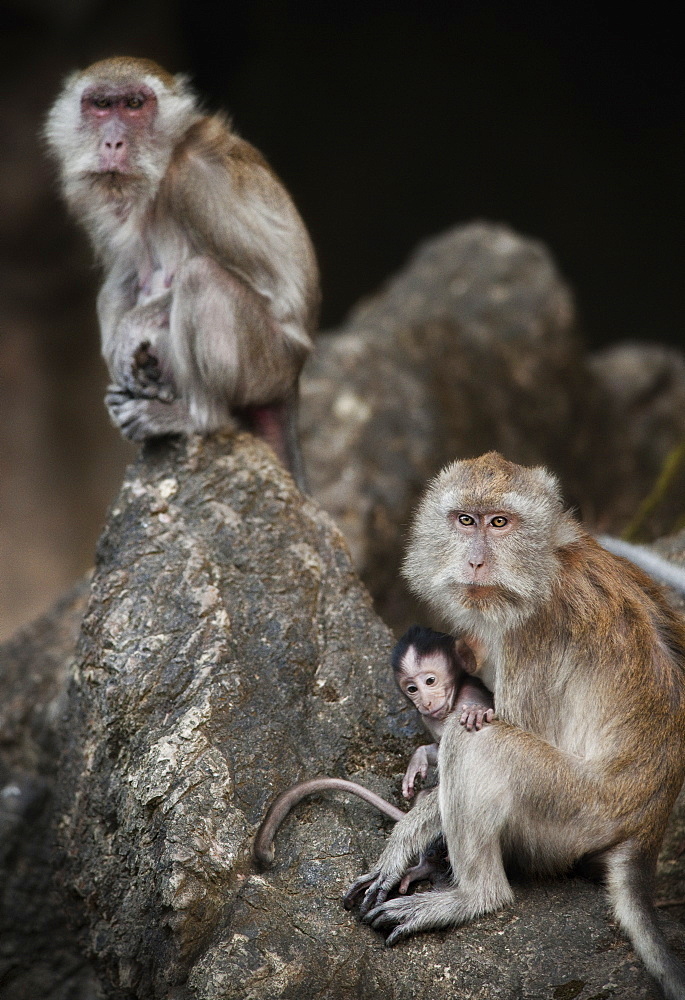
<point x="211" y="158"/>
<point x="230" y="205"/>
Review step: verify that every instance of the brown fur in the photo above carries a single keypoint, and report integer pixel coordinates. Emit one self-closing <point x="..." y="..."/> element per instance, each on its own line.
<point x="209" y="269"/>
<point x="586" y="661"/>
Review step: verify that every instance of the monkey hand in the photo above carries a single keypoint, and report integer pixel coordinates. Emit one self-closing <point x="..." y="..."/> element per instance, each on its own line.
<point x="140" y="418"/>
<point x="417" y="767"/>
<point x="375" y="887"/>
<point x="147" y="377"/>
<point x="475" y="716"/>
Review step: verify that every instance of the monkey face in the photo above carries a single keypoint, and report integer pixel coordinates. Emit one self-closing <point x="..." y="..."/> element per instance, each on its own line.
<point x="428" y="681"/>
<point x="118" y="118"/>
<point x="484" y="541"/>
<point x="116" y="122"/>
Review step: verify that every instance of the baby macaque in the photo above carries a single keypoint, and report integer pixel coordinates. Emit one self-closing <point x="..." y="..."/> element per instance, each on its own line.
<point x="433" y="670"/>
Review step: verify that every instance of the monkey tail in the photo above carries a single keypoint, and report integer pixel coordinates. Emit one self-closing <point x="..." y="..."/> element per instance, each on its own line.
<point x="264" y="841"/>
<point x="629" y="885"/>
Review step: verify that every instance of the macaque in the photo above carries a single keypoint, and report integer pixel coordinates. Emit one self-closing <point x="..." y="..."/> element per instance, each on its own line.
<point x="582" y="653"/>
<point x="210" y="293"/>
<point x="432" y="670"/>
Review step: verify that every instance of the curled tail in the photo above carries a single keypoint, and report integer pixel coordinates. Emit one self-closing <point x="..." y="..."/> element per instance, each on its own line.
<point x="264" y="841"/>
<point x="629" y="883"/>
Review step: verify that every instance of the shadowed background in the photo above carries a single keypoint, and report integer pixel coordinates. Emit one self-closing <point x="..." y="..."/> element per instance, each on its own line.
<point x="387" y="126"/>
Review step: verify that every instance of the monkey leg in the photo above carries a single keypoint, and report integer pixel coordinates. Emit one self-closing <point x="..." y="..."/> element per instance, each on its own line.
<point x="503" y="787"/>
<point x="409" y="839"/>
<point x="227" y="348"/>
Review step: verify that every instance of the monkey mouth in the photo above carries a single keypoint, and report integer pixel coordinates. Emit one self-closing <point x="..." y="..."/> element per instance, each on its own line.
<point x="484" y="594"/>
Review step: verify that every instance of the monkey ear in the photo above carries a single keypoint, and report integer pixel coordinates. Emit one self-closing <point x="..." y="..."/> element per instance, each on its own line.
<point x="547" y="482"/>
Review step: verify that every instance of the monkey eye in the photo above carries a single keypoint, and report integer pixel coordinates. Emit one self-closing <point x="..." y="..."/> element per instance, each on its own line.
<point x="499" y="521"/>
<point x="466" y="519"/>
<point x="102" y="102"/>
<point x="412" y="689"/>
<point x="135" y="102"/>
<point x="430" y="681"/>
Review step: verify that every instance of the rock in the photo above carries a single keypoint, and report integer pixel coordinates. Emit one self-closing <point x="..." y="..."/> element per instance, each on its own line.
<point x="228" y="650"/>
<point x="644" y="386"/>
<point x="471" y="347"/>
<point x="39" y="955"/>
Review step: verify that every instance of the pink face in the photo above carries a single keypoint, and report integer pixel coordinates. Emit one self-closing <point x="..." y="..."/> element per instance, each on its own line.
<point x="429" y="682"/>
<point x="480" y="529"/>
<point x="120" y="117"/>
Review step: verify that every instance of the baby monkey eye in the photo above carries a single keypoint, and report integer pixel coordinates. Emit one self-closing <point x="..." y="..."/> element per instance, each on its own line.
<point x="412" y="689"/>
<point x="430" y="681"/>
<point x="499" y="521"/>
<point x="466" y="519"/>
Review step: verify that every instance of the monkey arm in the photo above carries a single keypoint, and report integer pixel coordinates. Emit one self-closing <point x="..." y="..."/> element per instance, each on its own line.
<point x="422" y="758"/>
<point x="409" y="839"/>
<point x="133" y="338"/>
<point x="222" y="191"/>
<point x="476" y="703"/>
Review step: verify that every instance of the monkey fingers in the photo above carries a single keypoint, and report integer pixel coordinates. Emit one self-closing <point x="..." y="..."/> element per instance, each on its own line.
<point x="147" y="376"/>
<point x="358" y="889"/>
<point x="417" y="767"/>
<point x="425" y="869"/>
<point x="139" y="418"/>
<point x="474" y="716"/>
<point x="402" y="915"/>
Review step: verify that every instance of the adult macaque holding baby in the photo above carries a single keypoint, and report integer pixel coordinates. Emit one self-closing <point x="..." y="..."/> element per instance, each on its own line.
<point x="584" y="656"/>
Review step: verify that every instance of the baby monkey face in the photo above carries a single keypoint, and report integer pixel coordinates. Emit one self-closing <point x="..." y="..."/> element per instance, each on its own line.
<point x="428" y="681"/>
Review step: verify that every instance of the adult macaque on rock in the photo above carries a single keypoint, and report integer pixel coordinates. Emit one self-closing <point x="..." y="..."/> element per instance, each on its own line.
<point x="582" y="653"/>
<point x="433" y="671"/>
<point x="210" y="296"/>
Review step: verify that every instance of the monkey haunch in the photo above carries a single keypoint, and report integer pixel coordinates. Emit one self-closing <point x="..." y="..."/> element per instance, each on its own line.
<point x="211" y="291"/>
<point x="584" y="658"/>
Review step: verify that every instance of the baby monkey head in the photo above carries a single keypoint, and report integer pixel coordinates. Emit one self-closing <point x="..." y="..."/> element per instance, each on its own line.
<point x="426" y="669"/>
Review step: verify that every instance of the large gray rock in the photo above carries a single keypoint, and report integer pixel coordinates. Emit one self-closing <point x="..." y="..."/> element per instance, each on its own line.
<point x="228" y="649"/>
<point x="40" y="958"/>
<point x="471" y="347"/>
<point x="644" y="386"/>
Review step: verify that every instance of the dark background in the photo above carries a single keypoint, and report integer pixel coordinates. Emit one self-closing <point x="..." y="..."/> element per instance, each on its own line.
<point x="387" y="126"/>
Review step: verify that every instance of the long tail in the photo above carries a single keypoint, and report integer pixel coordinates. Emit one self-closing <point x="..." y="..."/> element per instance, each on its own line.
<point x="629" y="885"/>
<point x="281" y="806"/>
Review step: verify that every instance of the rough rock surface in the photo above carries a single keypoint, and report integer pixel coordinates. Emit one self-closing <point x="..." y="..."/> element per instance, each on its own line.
<point x="39" y="956"/>
<point x="644" y="385"/>
<point x="228" y="650"/>
<point x="471" y="347"/>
